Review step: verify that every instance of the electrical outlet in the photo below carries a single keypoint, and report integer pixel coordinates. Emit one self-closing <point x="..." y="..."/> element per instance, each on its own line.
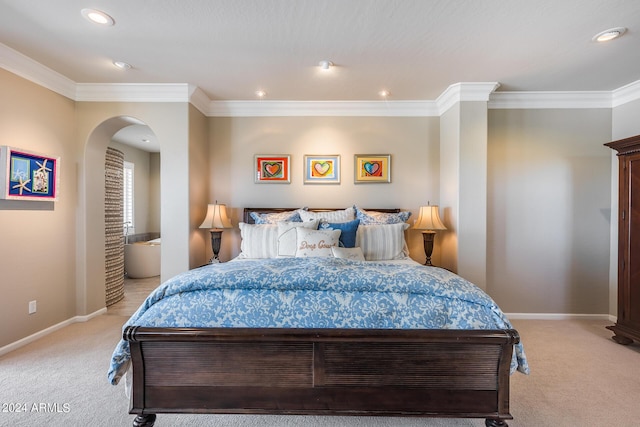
<point x="32" y="307"/>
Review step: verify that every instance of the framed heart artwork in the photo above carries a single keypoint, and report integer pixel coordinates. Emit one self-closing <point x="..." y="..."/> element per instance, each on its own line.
<point x="372" y="168"/>
<point x="322" y="169"/>
<point x="272" y="169"/>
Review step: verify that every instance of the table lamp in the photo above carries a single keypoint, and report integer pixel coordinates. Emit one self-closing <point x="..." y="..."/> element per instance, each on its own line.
<point x="216" y="220"/>
<point x="429" y="221"/>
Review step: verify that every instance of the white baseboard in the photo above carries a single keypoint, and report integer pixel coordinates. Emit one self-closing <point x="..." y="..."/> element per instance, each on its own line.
<point x="559" y="316"/>
<point x="31" y="338"/>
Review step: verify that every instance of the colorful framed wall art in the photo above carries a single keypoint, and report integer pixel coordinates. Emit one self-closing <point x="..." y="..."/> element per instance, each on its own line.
<point x="372" y="168"/>
<point x="273" y="169"/>
<point x="25" y="175"/>
<point x="322" y="169"/>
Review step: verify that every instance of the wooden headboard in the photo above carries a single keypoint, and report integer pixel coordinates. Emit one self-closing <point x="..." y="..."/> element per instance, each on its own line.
<point x="246" y="216"/>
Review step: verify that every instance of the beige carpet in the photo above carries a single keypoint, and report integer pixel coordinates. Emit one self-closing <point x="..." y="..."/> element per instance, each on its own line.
<point x="580" y="377"/>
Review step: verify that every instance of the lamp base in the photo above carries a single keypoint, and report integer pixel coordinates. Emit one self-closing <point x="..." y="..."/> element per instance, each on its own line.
<point x="216" y="238"/>
<point x="428" y="237"/>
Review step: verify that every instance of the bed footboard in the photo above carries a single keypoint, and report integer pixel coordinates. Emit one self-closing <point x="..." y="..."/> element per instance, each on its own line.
<point x="417" y="373"/>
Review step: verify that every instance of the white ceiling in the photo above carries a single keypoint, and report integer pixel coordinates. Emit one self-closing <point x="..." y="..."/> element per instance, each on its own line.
<point x="413" y="48"/>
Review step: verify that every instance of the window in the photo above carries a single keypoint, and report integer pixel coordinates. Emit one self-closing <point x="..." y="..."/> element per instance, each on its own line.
<point x="128" y="222"/>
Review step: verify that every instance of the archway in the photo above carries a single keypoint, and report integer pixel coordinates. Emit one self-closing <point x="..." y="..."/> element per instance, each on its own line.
<point x="91" y="240"/>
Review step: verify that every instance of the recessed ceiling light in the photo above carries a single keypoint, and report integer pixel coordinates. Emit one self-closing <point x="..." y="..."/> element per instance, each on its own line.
<point x="97" y="17"/>
<point x="325" y="65"/>
<point x="261" y="93"/>
<point x="610" y="34"/>
<point x="122" y="65"/>
<point x="384" y="93"/>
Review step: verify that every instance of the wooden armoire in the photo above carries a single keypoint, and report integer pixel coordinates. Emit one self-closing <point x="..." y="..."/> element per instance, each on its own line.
<point x="627" y="327"/>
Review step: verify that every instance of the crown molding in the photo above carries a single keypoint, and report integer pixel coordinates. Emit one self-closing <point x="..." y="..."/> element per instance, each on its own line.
<point x="625" y="94"/>
<point x="549" y="100"/>
<point x="462" y="92"/>
<point x="199" y="99"/>
<point x="132" y="92"/>
<point x="25" y="67"/>
<point x="322" y="108"/>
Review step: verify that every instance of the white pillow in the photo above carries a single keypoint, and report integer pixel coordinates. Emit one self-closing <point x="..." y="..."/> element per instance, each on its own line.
<point x="316" y="243"/>
<point x="382" y="242"/>
<point x="258" y="240"/>
<point x="286" y="243"/>
<point x="344" y="215"/>
<point x="348" y="253"/>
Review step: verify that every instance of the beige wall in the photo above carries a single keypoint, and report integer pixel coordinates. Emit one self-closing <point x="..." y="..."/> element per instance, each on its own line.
<point x="449" y="186"/>
<point x="549" y="210"/>
<point x="37" y="244"/>
<point x="463" y="189"/>
<point x="199" y="240"/>
<point x="412" y="143"/>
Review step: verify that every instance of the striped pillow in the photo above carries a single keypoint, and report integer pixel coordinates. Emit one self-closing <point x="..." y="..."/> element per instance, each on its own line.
<point x="258" y="240"/>
<point x="382" y="241"/>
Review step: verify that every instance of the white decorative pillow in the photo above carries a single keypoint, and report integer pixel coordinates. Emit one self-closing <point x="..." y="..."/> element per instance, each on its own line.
<point x="258" y="240"/>
<point x="348" y="253"/>
<point x="316" y="243"/>
<point x="287" y="236"/>
<point x="344" y="215"/>
<point x="383" y="241"/>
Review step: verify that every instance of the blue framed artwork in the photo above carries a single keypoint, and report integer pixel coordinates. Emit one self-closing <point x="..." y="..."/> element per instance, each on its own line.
<point x="322" y="169"/>
<point x="25" y="175"/>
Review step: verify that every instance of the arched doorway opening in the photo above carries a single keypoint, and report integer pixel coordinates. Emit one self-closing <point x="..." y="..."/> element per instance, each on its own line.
<point x="92" y="242"/>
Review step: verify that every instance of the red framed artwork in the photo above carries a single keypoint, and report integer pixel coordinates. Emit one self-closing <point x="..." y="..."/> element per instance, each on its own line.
<point x="273" y="169"/>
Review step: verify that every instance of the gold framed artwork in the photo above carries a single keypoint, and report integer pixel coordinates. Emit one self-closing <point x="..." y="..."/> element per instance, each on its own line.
<point x="323" y="169"/>
<point x="271" y="168"/>
<point x="372" y="168"/>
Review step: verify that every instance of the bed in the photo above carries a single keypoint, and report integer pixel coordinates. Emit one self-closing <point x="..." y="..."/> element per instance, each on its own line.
<point x="294" y="333"/>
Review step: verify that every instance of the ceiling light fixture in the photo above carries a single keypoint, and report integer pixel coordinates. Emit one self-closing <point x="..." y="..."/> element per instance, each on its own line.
<point x="122" y="65"/>
<point x="384" y="93"/>
<point x="610" y="34"/>
<point x="325" y="65"/>
<point x="261" y="93"/>
<point x="97" y="17"/>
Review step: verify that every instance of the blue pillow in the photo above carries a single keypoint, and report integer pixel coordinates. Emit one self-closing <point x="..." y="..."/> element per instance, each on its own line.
<point x="348" y="235"/>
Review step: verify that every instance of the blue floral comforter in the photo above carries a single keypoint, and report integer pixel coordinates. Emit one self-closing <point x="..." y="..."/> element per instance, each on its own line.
<point x="317" y="293"/>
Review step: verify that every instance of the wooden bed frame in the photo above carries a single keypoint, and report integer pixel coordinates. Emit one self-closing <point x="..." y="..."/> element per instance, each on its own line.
<point x="373" y="372"/>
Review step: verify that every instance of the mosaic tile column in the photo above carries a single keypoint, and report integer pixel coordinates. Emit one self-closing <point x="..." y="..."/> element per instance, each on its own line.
<point x="114" y="240"/>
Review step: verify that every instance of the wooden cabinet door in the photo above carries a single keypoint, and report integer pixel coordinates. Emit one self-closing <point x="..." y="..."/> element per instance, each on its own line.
<point x="629" y="303"/>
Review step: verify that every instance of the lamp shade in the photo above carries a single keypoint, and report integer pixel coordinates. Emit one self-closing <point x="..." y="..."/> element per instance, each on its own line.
<point x="216" y="217"/>
<point x="429" y="219"/>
